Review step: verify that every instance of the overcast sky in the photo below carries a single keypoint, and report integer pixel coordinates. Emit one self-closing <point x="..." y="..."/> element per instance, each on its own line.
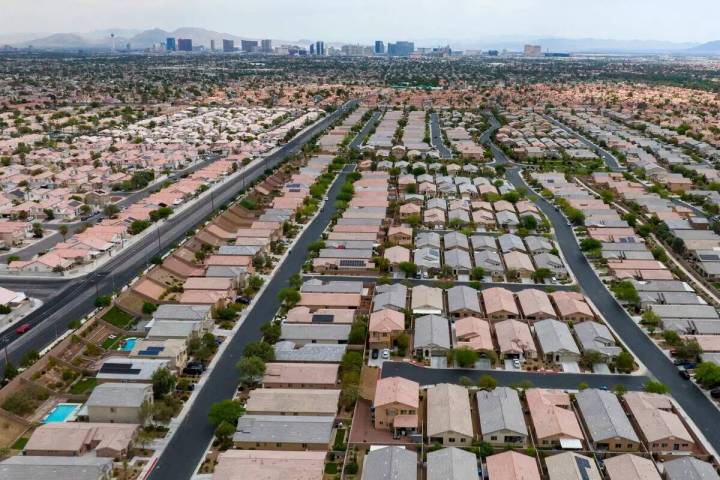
<point x="366" y="20"/>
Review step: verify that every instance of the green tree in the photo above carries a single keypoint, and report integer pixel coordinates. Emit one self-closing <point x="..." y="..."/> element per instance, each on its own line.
<point x="707" y="374"/>
<point x="652" y="386"/>
<point x="624" y="362"/>
<point x="111" y="210"/>
<point x="149" y="308"/>
<point x="619" y="389"/>
<point x="289" y="296"/>
<point x="227" y="411"/>
<point x="465" y="357"/>
<point x="63" y="231"/>
<point x="651" y="320"/>
<point x="587" y="244"/>
<point x="688" y="350"/>
<point x="103" y="301"/>
<point x="224" y="433"/>
<point x="541" y="274"/>
<point x="486" y="382"/>
<point x="477" y="273"/>
<point x="625" y="292"/>
<point x="38" y="230"/>
<point x="163" y="382"/>
<point x="251" y="370"/>
<point x="409" y="268"/>
<point x="260" y="349"/>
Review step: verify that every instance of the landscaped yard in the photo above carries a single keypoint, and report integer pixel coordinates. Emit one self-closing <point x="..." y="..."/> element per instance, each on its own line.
<point x="117" y="317"/>
<point x="86" y="385"/>
<point x="111" y="341"/>
<point x="20" y="443"/>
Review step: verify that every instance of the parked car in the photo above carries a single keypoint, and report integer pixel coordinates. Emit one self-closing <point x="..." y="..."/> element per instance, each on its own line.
<point x="684" y="373"/>
<point x="516" y="363"/>
<point x="194" y="369"/>
<point x="385" y="353"/>
<point x="374" y="353"/>
<point x="715" y="392"/>
<point x="243" y="299"/>
<point x="22" y="328"/>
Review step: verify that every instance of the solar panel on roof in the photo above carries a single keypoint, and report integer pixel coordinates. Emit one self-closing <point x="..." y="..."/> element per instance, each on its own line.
<point x="151" y="351"/>
<point x="583" y="466"/>
<point x="322" y="318"/>
<point x="352" y="263"/>
<point x="119" y="368"/>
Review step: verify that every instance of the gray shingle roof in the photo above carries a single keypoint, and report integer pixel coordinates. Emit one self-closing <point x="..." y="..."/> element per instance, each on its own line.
<point x="500" y="409"/>
<point x="316" y="285"/>
<point x="182" y="312"/>
<point x="604" y="416"/>
<point x="555" y="336"/>
<point x="452" y="464"/>
<point x="432" y="330"/>
<point x="320" y="332"/>
<point x="119" y="395"/>
<point x="86" y="467"/>
<point x="284" y="429"/>
<point x="690" y="468"/>
<point x="462" y="297"/>
<point x="286" y="351"/>
<point x="390" y="463"/>
<point x="457" y="258"/>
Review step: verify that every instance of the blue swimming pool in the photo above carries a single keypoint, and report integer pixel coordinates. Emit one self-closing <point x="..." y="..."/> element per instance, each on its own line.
<point x="128" y="344"/>
<point x="61" y="412"/>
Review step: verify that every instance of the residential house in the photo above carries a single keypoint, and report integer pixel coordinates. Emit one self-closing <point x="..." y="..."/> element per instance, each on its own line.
<point x="384" y="327"/>
<point x="659" y="426"/>
<point x="432" y="336"/>
<point x="556" y="341"/>
<point x="452" y="464"/>
<point x="283" y="432"/>
<point x="553" y="420"/>
<point x="463" y="301"/>
<point x="119" y="403"/>
<point x="502" y="421"/>
<point x="396" y="403"/>
<point x="630" y="467"/>
<point x="515" y="340"/>
<point x="390" y="463"/>
<point x="449" y="421"/>
<point x="607" y="425"/>
<point x="511" y="465"/>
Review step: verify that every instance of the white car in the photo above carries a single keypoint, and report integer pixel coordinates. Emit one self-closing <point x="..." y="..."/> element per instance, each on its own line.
<point x="516" y="363"/>
<point x="385" y="353"/>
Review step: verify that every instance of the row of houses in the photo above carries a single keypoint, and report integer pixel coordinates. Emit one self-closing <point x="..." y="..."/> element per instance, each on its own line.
<point x="621" y="429"/>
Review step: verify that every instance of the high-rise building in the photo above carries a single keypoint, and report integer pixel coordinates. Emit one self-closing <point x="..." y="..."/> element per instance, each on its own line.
<point x="312" y="49"/>
<point x="184" y="44"/>
<point x="228" y="46"/>
<point x="170" y="44"/>
<point x="320" y="48"/>
<point x="532" y="51"/>
<point x="249" y="46"/>
<point x="401" y="49"/>
<point x="266" y="46"/>
<point x="379" y="47"/>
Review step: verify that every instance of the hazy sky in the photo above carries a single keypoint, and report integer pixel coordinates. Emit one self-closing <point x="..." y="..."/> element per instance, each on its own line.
<point x="365" y="20"/>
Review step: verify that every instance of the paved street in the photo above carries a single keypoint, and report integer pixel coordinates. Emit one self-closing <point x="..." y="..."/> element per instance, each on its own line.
<point x="187" y="447"/>
<point x="436" y="138"/>
<point x="75" y="298"/>
<point x="506" y="378"/>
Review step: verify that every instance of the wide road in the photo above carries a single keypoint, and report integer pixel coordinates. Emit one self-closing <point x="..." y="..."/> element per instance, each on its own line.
<point x="185" y="450"/>
<point x="691" y="398"/>
<point x="436" y="138"/>
<point x="75" y="298"/>
<point x="508" y="378"/>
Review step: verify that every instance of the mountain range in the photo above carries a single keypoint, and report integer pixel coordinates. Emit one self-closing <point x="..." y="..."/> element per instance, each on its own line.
<point x="102" y="40"/>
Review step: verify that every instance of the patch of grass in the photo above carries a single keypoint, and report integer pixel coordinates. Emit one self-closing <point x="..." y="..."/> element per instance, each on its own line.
<point x="331" y="468"/>
<point x="117" y="317"/>
<point x="86" y="385"/>
<point x="110" y="342"/>
<point x="20" y="443"/>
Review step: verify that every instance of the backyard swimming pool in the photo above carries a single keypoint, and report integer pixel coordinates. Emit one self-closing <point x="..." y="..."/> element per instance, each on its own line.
<point x="61" y="412"/>
<point x="128" y="344"/>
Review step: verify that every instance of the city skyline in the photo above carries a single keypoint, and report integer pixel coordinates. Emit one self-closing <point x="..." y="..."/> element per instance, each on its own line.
<point x="466" y="21"/>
